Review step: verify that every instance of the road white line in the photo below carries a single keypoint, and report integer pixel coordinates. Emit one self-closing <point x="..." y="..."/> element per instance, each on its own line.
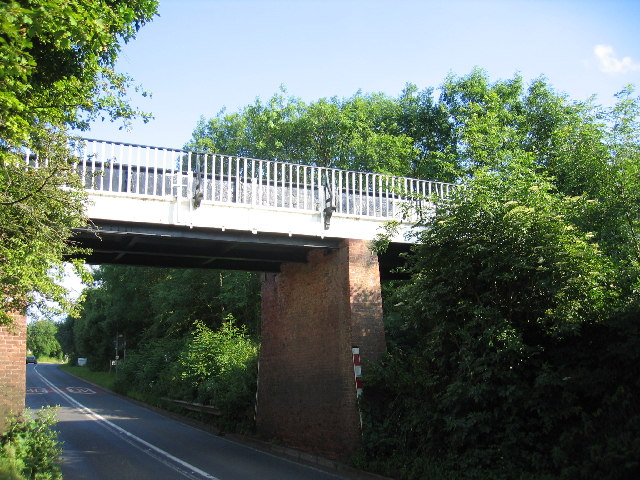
<point x="130" y="436"/>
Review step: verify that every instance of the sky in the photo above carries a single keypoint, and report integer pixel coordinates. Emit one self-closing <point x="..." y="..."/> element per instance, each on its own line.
<point x="198" y="57"/>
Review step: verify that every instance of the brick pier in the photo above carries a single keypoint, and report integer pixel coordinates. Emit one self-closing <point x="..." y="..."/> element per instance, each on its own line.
<point x="312" y="316"/>
<point x="13" y="348"/>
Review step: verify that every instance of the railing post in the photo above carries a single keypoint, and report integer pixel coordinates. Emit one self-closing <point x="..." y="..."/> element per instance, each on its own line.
<point x="255" y="182"/>
<point x="236" y="194"/>
<point x="305" y="189"/>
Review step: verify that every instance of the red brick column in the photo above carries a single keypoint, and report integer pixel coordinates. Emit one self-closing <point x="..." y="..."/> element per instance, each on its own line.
<point x="13" y="349"/>
<point x="312" y="315"/>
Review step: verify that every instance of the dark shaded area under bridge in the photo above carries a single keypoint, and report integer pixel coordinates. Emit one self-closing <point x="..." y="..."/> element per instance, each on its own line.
<point x="139" y="244"/>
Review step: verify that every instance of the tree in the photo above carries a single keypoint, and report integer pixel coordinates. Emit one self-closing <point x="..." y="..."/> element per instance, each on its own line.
<point x="147" y="303"/>
<point x="56" y="72"/>
<point x="522" y="329"/>
<point x="41" y="339"/>
<point x="619" y="193"/>
<point x="65" y="337"/>
<point x="357" y="133"/>
<point x="427" y="122"/>
<point x="586" y="150"/>
<point x="522" y="309"/>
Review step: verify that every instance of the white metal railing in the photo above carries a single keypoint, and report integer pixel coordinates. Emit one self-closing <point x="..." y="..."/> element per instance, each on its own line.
<point x="146" y="171"/>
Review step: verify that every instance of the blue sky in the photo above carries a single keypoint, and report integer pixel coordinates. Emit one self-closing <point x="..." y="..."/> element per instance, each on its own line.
<point x="199" y="56"/>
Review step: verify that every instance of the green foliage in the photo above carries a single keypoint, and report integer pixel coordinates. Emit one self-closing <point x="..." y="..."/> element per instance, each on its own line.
<point x="64" y="336"/>
<point x="144" y="304"/>
<point x="104" y="379"/>
<point x="150" y="369"/>
<point x="473" y="123"/>
<point x="516" y="252"/>
<point x="181" y="341"/>
<point x="41" y="339"/>
<point x="29" y="449"/>
<point x="56" y="72"/>
<point x="212" y="367"/>
<point x="516" y="341"/>
<point x="9" y="468"/>
<point x="359" y="133"/>
<point x="57" y="62"/>
<point x="508" y="300"/>
<point x="619" y="193"/>
<point x="221" y="369"/>
<point x="36" y="219"/>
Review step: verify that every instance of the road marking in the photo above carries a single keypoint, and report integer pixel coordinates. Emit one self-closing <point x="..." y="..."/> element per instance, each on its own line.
<point x="133" y="439"/>
<point x="83" y="390"/>
<point x="38" y="390"/>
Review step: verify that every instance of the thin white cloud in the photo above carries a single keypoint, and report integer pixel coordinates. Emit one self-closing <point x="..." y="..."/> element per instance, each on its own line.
<point x="608" y="62"/>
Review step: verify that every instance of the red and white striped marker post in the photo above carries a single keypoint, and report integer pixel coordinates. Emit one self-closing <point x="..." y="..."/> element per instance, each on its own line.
<point x="357" y="369"/>
<point x="357" y="373"/>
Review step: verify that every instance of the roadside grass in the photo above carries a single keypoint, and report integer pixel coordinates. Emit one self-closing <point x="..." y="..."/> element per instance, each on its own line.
<point x="108" y="379"/>
<point x="45" y="359"/>
<point x="104" y="379"/>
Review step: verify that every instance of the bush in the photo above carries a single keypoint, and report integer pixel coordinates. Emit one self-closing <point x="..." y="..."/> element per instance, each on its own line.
<point x="212" y="367"/>
<point x="9" y="465"/>
<point x="29" y="449"/>
<point x="220" y="368"/>
<point x="148" y="370"/>
<point x="527" y="361"/>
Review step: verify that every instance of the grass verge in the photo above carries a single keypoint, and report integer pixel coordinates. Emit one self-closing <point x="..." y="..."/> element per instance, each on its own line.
<point x="44" y="359"/>
<point x="107" y="380"/>
<point x="104" y="379"/>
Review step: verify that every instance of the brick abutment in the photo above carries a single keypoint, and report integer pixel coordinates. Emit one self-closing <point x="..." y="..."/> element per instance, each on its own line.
<point x="313" y="314"/>
<point x="13" y="348"/>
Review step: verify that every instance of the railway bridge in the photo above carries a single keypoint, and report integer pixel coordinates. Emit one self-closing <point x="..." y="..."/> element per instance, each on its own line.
<point x="307" y="228"/>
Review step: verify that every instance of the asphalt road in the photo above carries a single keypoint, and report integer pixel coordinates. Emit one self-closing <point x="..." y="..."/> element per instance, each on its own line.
<point x="108" y="437"/>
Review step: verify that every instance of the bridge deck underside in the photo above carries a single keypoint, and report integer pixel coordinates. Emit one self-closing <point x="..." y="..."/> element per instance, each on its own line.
<point x="124" y="243"/>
